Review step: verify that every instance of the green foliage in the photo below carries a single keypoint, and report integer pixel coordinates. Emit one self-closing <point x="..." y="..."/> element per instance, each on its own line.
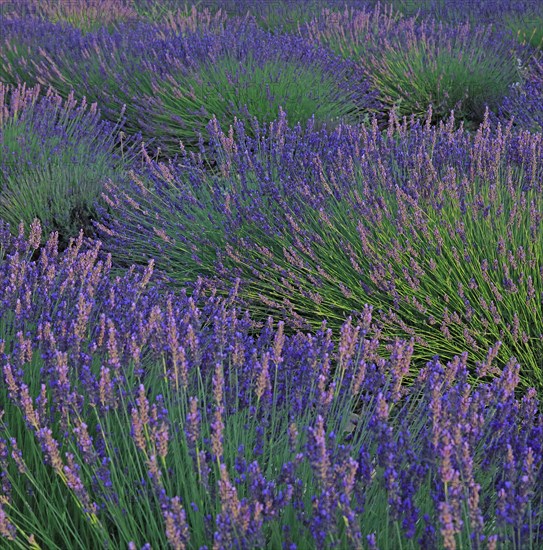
<point x="528" y="29"/>
<point x="181" y="107"/>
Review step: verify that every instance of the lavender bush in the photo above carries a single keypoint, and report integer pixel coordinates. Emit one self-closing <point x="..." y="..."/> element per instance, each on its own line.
<point x="131" y="417"/>
<point x="86" y="15"/>
<point x="246" y="74"/>
<point x="58" y="55"/>
<point x="460" y="11"/>
<point x="438" y="229"/>
<point x="93" y="15"/>
<point x="279" y="15"/>
<point x="461" y="67"/>
<point x="351" y="32"/>
<point x="184" y="19"/>
<point x="55" y="157"/>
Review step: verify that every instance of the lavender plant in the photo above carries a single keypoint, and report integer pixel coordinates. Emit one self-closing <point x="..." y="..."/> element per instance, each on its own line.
<point x="460" y="11"/>
<point x="280" y="15"/>
<point x="415" y="64"/>
<point x="253" y="76"/>
<point x="87" y="15"/>
<point x="131" y="417"/>
<point x="436" y="228"/>
<point x="183" y="80"/>
<point x="288" y="17"/>
<point x="99" y="65"/>
<point x="182" y="20"/>
<point x="55" y="157"/>
<point x="351" y="32"/>
<point x="27" y="39"/>
<point x="460" y="68"/>
<point x="93" y="65"/>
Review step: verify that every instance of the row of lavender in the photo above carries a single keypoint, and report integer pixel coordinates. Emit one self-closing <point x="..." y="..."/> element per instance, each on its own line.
<point x="184" y="78"/>
<point x="133" y="418"/>
<point x="91" y="14"/>
<point x="341" y="65"/>
<point x="437" y="228"/>
<point x="440" y="230"/>
<point x="136" y="418"/>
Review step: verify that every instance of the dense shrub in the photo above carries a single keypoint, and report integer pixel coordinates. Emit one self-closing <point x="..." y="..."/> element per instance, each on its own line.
<point x="133" y="418"/>
<point x="183" y="80"/>
<point x="58" y="55"/>
<point x="55" y="157"/>
<point x="86" y="15"/>
<point x="459" y="11"/>
<point x="462" y="68"/>
<point x="182" y="19"/>
<point x="246" y="75"/>
<point x="351" y="32"/>
<point x="415" y="64"/>
<point x="438" y="229"/>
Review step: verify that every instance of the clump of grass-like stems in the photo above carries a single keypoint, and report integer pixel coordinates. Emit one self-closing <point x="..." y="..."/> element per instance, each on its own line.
<point x="414" y="64"/>
<point x="184" y="80"/>
<point x="442" y="240"/>
<point x="56" y="155"/>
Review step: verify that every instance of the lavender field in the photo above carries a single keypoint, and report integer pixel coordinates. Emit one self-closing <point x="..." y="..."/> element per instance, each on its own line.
<point x="271" y="274"/>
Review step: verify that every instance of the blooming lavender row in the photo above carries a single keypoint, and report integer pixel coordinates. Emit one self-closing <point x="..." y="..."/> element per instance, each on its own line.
<point x="186" y="77"/>
<point x="134" y="418"/>
<point x="89" y="15"/>
<point x="486" y="11"/>
<point x="279" y="13"/>
<point x="439" y="229"/>
<point x="56" y="46"/>
<point x="85" y="14"/>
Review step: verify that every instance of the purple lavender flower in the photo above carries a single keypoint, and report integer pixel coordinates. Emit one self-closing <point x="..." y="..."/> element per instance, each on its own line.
<point x="177" y="530"/>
